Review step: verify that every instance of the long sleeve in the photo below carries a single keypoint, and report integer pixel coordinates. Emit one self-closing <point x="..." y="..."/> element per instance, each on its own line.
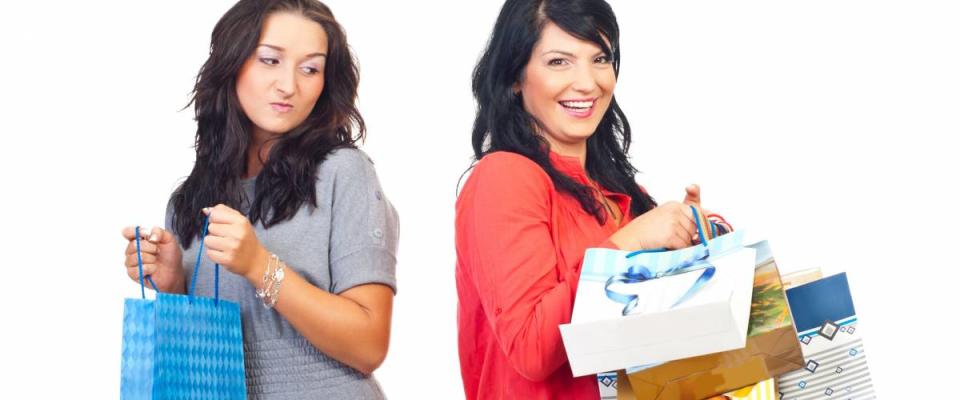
<point x="504" y="230"/>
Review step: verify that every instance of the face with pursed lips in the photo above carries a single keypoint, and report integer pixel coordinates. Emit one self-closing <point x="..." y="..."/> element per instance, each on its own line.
<point x="567" y="86"/>
<point x="282" y="80"/>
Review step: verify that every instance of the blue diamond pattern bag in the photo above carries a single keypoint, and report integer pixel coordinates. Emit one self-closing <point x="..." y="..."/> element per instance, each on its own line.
<point x="181" y="346"/>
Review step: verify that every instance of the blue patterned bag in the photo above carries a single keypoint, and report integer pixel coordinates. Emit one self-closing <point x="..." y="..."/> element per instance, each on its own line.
<point x="181" y="346"/>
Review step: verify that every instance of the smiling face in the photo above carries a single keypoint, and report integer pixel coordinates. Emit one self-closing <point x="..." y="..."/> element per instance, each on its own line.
<point x="281" y="82"/>
<point x="567" y="86"/>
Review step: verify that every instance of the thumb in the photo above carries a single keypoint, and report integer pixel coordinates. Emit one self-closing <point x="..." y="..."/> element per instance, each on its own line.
<point x="160" y="236"/>
<point x="693" y="195"/>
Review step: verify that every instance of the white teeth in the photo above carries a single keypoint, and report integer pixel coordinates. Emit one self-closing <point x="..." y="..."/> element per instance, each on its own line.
<point x="577" y="104"/>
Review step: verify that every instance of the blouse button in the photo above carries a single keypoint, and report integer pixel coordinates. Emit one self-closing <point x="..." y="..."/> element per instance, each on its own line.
<point x="377" y="233"/>
<point x="498" y="311"/>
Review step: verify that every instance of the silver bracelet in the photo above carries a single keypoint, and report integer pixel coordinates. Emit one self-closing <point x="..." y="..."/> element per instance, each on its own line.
<point x="272" y="277"/>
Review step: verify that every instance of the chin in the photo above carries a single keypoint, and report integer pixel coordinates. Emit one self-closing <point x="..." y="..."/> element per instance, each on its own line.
<point x="582" y="133"/>
<point x="275" y="129"/>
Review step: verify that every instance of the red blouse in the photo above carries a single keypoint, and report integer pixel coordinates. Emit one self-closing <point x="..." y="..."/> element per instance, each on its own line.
<point x="520" y="245"/>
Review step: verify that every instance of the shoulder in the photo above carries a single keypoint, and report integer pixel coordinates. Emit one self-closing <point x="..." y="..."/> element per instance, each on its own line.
<point x="509" y="178"/>
<point x="510" y="168"/>
<point x="346" y="161"/>
<point x="505" y="160"/>
<point x="348" y="174"/>
<point x="347" y="166"/>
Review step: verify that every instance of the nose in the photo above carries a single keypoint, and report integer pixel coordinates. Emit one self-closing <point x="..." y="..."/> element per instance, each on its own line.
<point x="584" y="80"/>
<point x="286" y="82"/>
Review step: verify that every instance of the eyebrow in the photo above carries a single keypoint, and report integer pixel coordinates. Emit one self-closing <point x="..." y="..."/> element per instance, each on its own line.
<point x="278" y="48"/>
<point x="569" y="54"/>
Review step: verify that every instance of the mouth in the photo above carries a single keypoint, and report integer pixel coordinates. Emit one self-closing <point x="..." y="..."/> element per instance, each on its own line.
<point x="580" y="108"/>
<point x="281" y="107"/>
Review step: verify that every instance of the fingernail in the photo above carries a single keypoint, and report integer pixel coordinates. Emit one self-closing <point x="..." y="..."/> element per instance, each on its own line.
<point x="206" y="210"/>
<point x="153" y="237"/>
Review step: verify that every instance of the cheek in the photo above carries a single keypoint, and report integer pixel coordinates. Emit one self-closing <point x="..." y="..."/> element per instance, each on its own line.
<point x="310" y="91"/>
<point x="607" y="82"/>
<point x="540" y="91"/>
<point x="313" y="89"/>
<point x="249" y="83"/>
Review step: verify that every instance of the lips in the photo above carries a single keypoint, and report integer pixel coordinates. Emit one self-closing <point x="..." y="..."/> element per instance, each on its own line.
<point x="281" y="107"/>
<point x="580" y="108"/>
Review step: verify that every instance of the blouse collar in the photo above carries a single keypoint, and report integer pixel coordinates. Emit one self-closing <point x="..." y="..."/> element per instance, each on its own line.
<point x="568" y="165"/>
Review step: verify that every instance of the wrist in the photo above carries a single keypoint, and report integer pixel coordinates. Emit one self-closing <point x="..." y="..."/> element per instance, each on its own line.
<point x="625" y="241"/>
<point x="258" y="266"/>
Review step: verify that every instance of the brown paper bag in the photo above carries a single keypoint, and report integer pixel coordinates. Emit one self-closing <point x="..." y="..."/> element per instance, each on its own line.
<point x="772" y="349"/>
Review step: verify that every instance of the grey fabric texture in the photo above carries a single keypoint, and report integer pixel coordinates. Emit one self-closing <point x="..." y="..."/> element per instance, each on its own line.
<point x="349" y="239"/>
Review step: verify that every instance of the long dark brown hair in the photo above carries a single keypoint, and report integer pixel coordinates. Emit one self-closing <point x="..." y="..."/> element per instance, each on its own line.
<point x="288" y="178"/>
<point x="502" y="123"/>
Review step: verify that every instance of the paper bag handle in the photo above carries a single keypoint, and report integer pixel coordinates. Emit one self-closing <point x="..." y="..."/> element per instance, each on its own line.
<point x="196" y="268"/>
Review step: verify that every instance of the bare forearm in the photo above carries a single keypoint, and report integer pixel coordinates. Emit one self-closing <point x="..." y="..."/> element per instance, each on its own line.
<point x="336" y="325"/>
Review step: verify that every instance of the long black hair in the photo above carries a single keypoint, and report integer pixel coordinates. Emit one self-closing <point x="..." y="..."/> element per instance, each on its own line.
<point x="502" y="123"/>
<point x="288" y="178"/>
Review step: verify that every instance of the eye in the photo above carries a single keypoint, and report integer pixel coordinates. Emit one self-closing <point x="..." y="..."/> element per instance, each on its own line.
<point x="310" y="70"/>
<point x="269" y="60"/>
<point x="556" y="62"/>
<point x="602" y="59"/>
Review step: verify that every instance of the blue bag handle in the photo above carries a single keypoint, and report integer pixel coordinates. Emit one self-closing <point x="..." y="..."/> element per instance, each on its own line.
<point x="640" y="273"/>
<point x="196" y="268"/>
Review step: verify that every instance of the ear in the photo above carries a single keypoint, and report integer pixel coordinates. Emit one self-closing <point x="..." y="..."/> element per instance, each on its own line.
<point x="517" y="85"/>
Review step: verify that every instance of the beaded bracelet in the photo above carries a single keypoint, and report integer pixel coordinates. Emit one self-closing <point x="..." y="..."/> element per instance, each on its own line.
<point x="272" y="277"/>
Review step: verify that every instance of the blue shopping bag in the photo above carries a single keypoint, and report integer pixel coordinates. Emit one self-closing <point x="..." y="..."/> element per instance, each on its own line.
<point x="181" y="346"/>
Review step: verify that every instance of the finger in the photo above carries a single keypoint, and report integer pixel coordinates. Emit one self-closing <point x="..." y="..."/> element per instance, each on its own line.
<point x="145" y="248"/>
<point x="131" y="260"/>
<point x="129" y="232"/>
<point x="148" y="269"/>
<point x="684" y="234"/>
<point x="217" y="256"/>
<point x="685" y="219"/>
<point x="224" y="230"/>
<point x="218" y="243"/>
<point x="161" y="236"/>
<point x="221" y="214"/>
<point x="678" y="241"/>
<point x="688" y="212"/>
<point x="693" y="195"/>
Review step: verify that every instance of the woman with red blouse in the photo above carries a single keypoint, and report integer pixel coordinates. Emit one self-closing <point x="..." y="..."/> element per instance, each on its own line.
<point x="552" y="179"/>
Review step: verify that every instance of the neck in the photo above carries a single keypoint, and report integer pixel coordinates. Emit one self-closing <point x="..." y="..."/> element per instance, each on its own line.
<point x="259" y="149"/>
<point x="577" y="150"/>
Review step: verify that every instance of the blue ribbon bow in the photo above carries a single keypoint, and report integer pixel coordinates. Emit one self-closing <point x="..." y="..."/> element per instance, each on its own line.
<point x="641" y="273"/>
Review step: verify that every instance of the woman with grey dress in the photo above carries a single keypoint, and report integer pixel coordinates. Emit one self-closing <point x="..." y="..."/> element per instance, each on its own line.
<point x="296" y="213"/>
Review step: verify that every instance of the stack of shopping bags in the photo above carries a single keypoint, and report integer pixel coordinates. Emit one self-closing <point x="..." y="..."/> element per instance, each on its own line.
<point x="741" y="335"/>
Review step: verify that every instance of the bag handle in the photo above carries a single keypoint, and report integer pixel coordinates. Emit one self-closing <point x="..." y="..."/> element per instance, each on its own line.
<point x="703" y="239"/>
<point x="196" y="268"/>
<point x="143" y="293"/>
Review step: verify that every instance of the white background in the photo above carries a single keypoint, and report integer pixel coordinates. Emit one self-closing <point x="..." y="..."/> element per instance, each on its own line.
<point x="829" y="126"/>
